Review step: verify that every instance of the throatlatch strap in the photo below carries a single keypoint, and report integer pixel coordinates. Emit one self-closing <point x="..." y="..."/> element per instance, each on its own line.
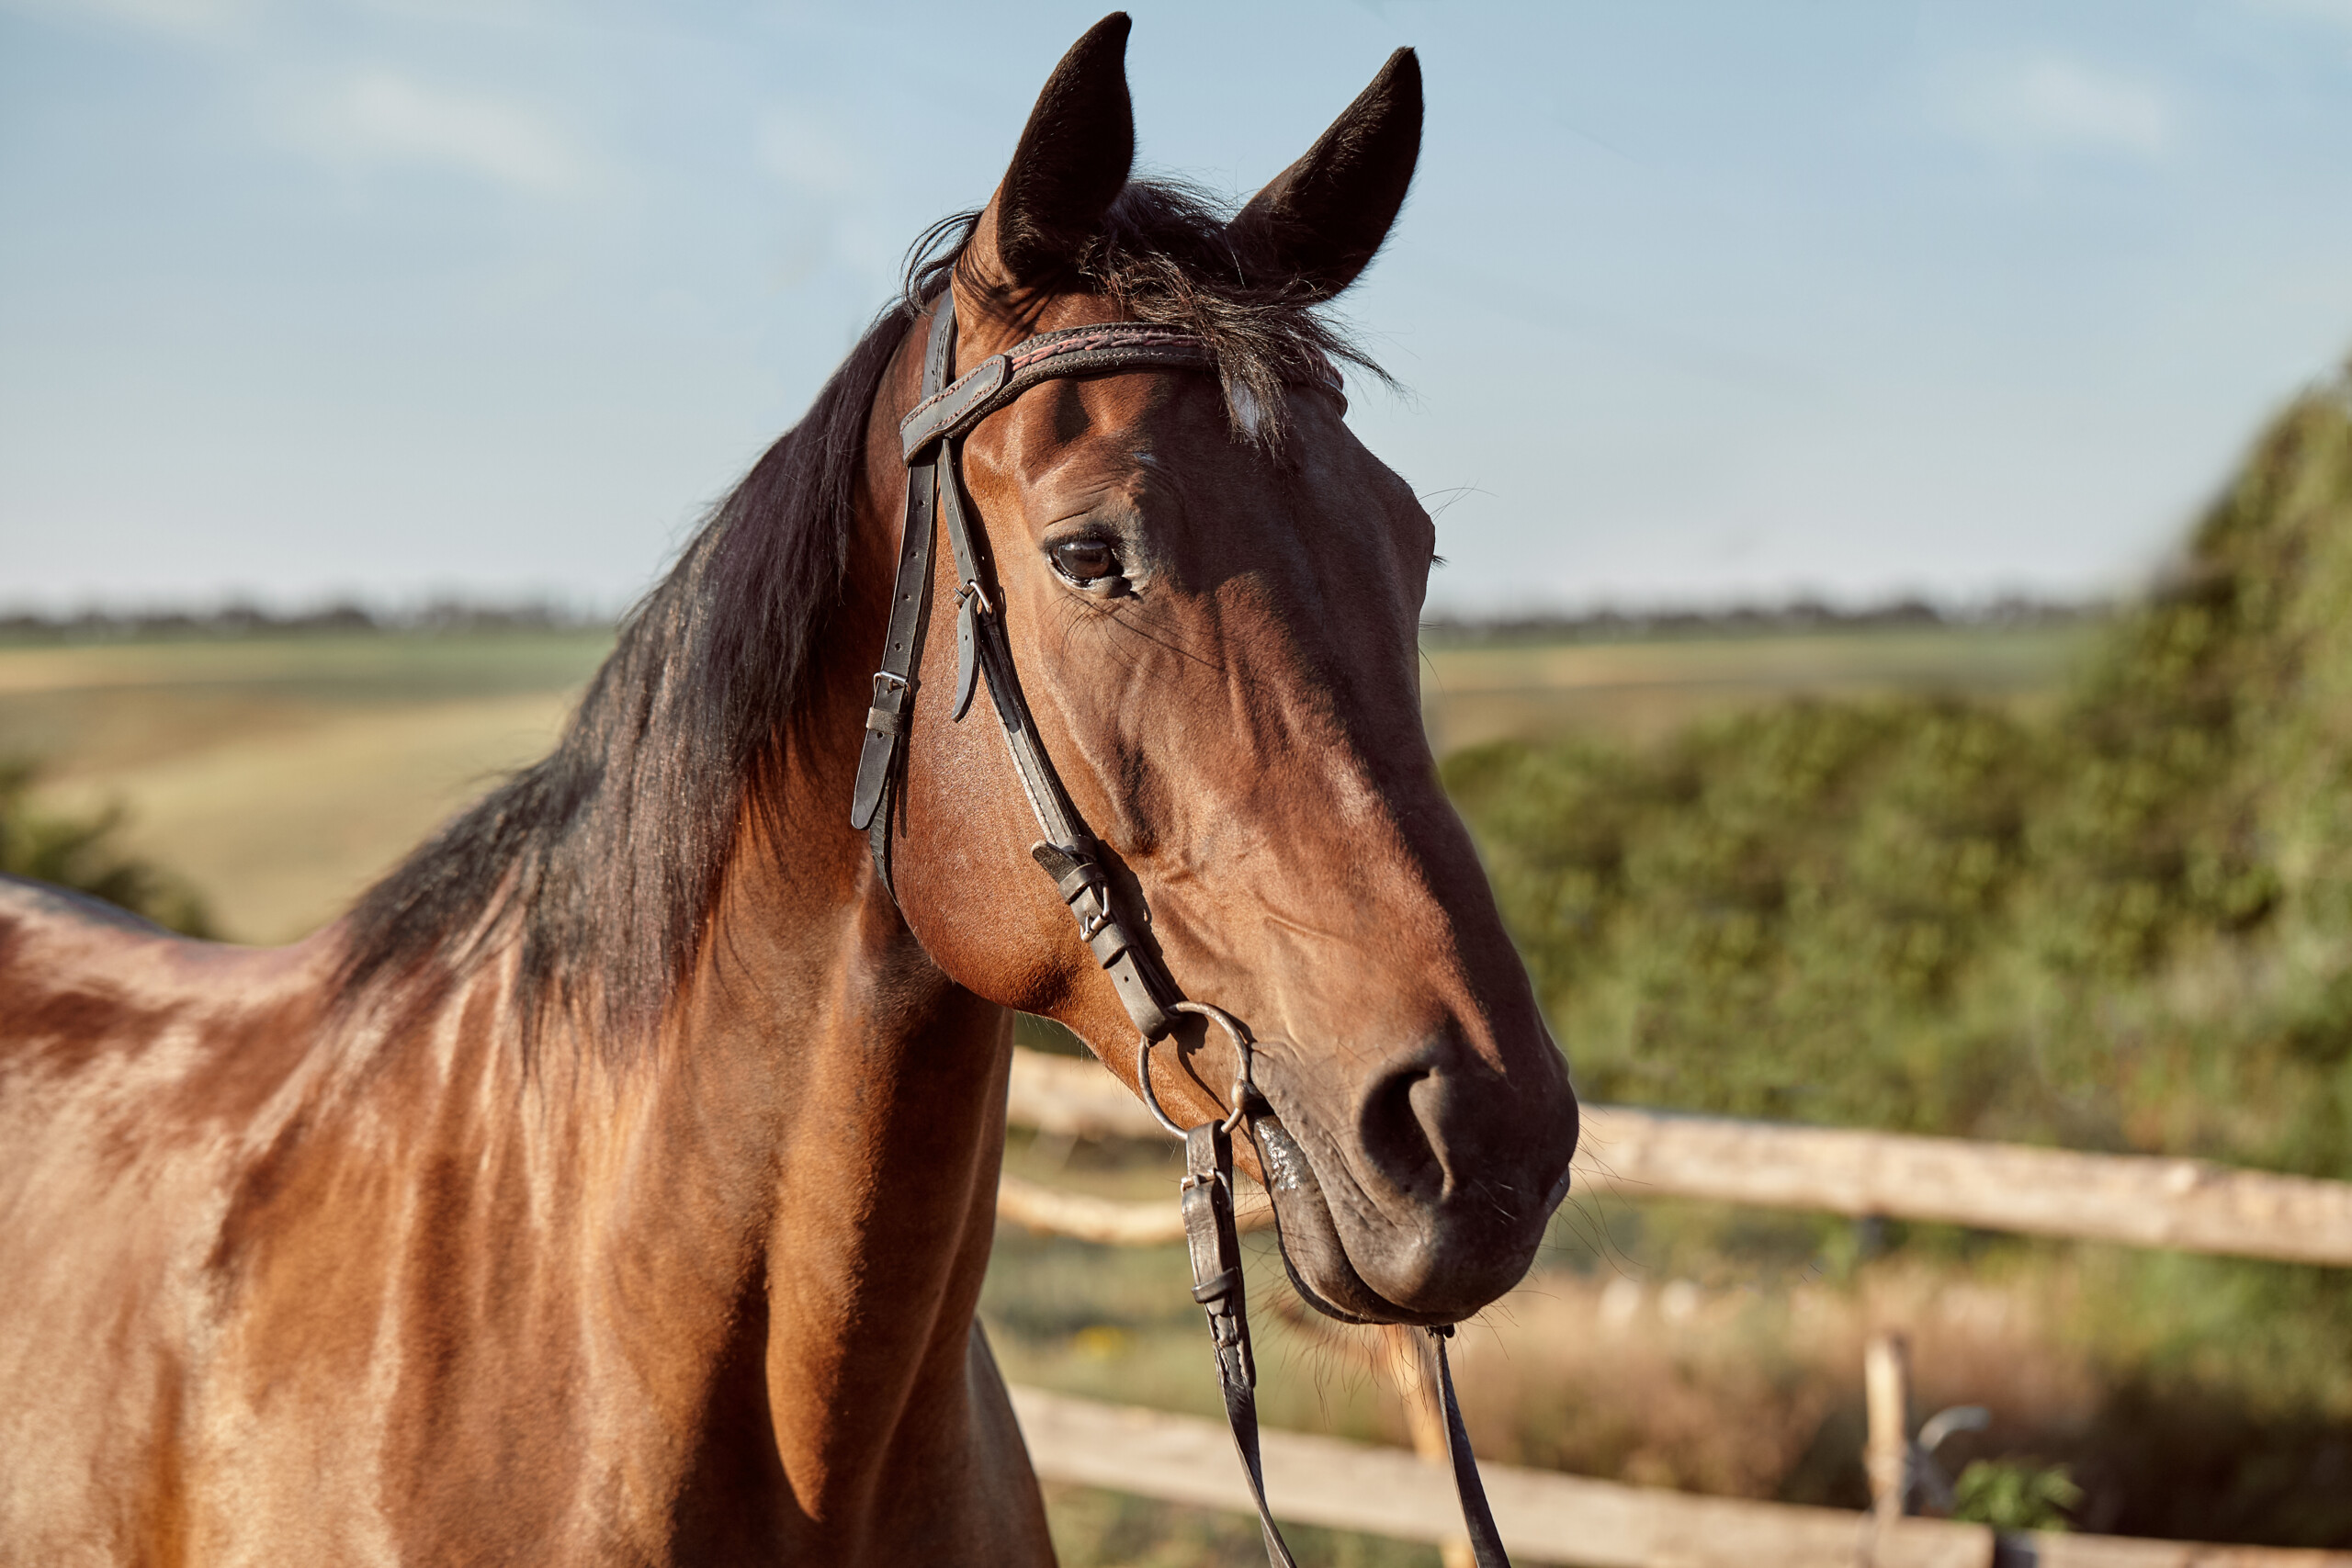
<point x="894" y="679"/>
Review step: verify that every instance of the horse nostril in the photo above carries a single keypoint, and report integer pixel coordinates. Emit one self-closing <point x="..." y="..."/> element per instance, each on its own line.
<point x="1396" y="1130"/>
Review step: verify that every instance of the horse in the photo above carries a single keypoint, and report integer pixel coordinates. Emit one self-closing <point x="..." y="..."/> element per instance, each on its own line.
<point x="613" y="1182"/>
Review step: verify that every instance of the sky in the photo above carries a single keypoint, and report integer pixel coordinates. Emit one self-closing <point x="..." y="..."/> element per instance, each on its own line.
<point x="1693" y="304"/>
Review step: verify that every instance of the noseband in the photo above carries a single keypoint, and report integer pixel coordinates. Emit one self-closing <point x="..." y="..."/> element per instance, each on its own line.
<point x="931" y="438"/>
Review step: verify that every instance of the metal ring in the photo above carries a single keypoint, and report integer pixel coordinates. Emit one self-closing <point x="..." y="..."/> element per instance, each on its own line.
<point x="1239" y="1093"/>
<point x="1242" y="1087"/>
<point x="1151" y="1100"/>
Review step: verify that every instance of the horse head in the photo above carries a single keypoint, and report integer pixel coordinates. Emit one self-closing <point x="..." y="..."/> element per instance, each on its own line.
<point x="1210" y="590"/>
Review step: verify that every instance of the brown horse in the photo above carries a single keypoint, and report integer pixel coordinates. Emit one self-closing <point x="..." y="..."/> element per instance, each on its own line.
<point x="614" y="1183"/>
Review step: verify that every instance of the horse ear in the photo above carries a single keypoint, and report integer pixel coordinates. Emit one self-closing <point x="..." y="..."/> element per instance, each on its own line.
<point x="1072" y="162"/>
<point x="1319" y="220"/>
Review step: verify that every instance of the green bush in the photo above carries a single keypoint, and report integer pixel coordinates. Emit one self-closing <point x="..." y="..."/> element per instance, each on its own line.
<point x="82" y="853"/>
<point x="2124" y="925"/>
<point x="2015" y="1494"/>
<point x="2128" y="926"/>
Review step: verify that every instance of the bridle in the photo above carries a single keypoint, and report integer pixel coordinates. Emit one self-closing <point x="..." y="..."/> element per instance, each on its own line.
<point x="931" y="436"/>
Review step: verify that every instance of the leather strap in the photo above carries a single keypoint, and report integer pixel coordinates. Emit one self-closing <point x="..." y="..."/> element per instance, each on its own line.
<point x="1108" y="347"/>
<point x="1486" y="1541"/>
<point x="1213" y="1240"/>
<point x="934" y="491"/>
<point x="1214" y="1243"/>
<point x="1067" y="852"/>
<point x="894" y="679"/>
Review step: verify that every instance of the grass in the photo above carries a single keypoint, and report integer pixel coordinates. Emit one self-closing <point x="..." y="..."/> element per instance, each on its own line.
<point x="1718" y="1349"/>
<point x="85" y="853"/>
<point x="2115" y="918"/>
<point x="283" y="773"/>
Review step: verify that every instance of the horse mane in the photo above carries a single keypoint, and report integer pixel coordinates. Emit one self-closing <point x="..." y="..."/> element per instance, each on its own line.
<point x="604" y="859"/>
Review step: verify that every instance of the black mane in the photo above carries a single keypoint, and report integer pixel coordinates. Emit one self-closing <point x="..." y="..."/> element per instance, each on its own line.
<point x="604" y="860"/>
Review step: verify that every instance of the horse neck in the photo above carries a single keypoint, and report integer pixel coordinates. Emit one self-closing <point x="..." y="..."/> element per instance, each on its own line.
<point x="770" y="1226"/>
<point x="862" y="1099"/>
<point x="840" y="1104"/>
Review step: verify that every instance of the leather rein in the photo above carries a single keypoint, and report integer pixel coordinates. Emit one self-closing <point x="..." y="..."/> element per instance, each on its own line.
<point x="931" y="436"/>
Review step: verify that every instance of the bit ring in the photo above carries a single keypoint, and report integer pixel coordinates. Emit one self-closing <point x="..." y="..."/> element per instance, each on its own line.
<point x="1243" y="1087"/>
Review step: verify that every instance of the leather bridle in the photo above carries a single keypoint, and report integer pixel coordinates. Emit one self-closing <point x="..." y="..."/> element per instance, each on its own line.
<point x="931" y="436"/>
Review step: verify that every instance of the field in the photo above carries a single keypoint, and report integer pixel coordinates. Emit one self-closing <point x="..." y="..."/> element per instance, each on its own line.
<point x="1643" y="691"/>
<point x="282" y="774"/>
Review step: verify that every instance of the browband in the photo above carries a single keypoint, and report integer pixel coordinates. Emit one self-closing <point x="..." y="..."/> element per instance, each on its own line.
<point x="1100" y="349"/>
<point x="1074" y="351"/>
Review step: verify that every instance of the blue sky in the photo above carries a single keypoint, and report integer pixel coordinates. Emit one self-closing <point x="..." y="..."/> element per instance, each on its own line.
<point x="1694" y="303"/>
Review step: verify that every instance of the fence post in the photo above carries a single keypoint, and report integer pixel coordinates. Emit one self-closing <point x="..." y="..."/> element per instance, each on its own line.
<point x="1886" y="1404"/>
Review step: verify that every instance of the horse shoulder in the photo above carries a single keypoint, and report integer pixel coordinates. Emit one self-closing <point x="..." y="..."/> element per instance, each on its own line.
<point x="137" y="1069"/>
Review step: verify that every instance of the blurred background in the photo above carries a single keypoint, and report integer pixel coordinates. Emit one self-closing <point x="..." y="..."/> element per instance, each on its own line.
<point x="1895" y="470"/>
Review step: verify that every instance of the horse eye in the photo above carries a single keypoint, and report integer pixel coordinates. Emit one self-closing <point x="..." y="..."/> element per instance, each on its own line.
<point x="1085" y="560"/>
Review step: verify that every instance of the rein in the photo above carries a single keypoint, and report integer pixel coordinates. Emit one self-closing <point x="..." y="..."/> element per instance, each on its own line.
<point x="931" y="438"/>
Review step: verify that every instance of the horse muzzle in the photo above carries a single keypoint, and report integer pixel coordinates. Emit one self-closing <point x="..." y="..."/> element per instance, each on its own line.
<point x="1428" y="1196"/>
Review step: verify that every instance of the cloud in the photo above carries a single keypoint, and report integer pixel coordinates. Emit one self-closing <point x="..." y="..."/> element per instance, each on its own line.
<point x="2059" y="105"/>
<point x="382" y="115"/>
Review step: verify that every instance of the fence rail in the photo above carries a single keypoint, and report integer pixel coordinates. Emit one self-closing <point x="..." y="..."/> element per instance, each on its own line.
<point x="2192" y="1205"/>
<point x="1562" y="1518"/>
<point x="1108" y="1222"/>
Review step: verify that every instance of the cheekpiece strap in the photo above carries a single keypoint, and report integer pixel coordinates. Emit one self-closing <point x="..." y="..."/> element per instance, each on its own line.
<point x="935" y="497"/>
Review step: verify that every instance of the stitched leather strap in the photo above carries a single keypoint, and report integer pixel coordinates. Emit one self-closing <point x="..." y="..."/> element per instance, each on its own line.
<point x="934" y="493"/>
<point x="1213" y="1242"/>
<point x="1050" y="357"/>
<point x="1142" y="986"/>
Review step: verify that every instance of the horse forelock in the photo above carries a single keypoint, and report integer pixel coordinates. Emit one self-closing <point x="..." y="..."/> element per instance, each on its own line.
<point x="1163" y="257"/>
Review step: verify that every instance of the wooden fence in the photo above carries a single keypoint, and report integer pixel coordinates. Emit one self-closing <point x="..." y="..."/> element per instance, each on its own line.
<point x="2192" y="1205"/>
<point x="2187" y="1204"/>
<point x="1545" y="1514"/>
